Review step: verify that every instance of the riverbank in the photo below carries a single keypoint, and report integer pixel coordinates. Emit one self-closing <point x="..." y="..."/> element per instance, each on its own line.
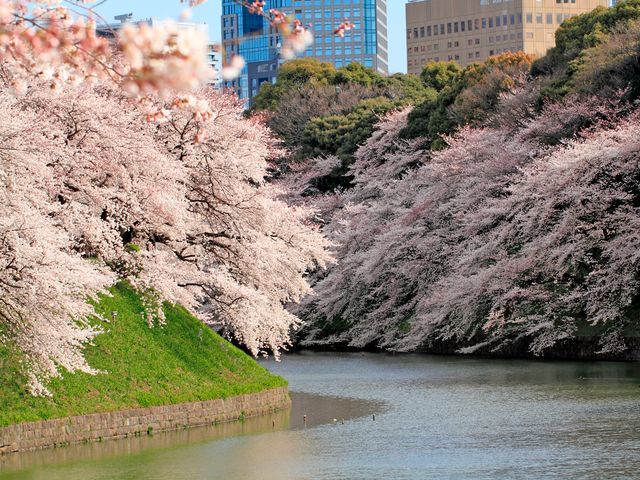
<point x="581" y="349"/>
<point x="137" y="422"/>
<point x="182" y="362"/>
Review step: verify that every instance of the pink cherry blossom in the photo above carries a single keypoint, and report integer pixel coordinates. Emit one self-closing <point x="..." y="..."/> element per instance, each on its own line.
<point x="83" y="177"/>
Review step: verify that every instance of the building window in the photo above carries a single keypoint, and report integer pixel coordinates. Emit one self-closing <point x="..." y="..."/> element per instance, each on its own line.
<point x="529" y="17"/>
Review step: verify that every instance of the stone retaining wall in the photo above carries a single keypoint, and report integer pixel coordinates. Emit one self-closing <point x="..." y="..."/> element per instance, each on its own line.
<point x="139" y="421"/>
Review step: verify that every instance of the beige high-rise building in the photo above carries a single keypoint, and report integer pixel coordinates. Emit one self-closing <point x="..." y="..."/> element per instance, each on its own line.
<point x="469" y="31"/>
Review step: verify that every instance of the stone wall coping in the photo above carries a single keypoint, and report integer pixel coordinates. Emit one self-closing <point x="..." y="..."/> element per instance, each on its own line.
<point x="138" y="421"/>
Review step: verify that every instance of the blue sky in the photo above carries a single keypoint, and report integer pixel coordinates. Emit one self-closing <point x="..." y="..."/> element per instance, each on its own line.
<point x="210" y="13"/>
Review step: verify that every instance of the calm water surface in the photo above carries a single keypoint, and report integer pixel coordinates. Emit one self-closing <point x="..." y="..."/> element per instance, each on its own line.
<point x="435" y="417"/>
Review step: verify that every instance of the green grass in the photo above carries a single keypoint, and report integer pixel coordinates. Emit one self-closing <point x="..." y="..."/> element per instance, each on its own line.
<point x="183" y="361"/>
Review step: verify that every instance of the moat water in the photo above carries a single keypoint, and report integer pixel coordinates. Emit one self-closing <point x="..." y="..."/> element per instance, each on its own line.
<point x="373" y="416"/>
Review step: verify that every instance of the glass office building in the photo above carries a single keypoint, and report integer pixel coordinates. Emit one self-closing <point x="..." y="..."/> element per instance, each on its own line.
<point x="259" y="44"/>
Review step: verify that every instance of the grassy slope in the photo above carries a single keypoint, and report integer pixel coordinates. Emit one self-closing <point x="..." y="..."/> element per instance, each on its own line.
<point x="182" y="362"/>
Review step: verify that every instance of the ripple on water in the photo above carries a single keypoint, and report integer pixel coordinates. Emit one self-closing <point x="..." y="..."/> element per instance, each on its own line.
<point x="435" y="417"/>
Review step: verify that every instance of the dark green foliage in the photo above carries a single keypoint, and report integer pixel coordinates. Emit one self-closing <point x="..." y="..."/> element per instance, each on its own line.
<point x="439" y="75"/>
<point x="309" y="72"/>
<point x="431" y="118"/>
<point x="290" y="76"/>
<point x="341" y="135"/>
<point x="465" y="96"/>
<point x="596" y="54"/>
<point x="573" y="39"/>
<point x="316" y="110"/>
<point x="355" y="73"/>
<point x="407" y="88"/>
<point x="184" y="361"/>
<point x="612" y="66"/>
<point x="584" y="31"/>
<point x="295" y="110"/>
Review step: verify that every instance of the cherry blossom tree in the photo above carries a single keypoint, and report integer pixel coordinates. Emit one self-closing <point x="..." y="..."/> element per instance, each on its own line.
<point x="114" y="166"/>
<point x="93" y="193"/>
<point x="44" y="284"/>
<point x="500" y="242"/>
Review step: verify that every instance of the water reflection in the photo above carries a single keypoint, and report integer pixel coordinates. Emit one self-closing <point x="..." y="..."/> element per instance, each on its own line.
<point x="307" y="411"/>
<point x="435" y="417"/>
<point x="135" y="445"/>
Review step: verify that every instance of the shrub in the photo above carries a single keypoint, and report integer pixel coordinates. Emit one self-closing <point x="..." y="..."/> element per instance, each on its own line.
<point x="612" y="65"/>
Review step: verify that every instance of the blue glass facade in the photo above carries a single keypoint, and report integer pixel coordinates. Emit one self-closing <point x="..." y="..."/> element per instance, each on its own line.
<point x="252" y="37"/>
